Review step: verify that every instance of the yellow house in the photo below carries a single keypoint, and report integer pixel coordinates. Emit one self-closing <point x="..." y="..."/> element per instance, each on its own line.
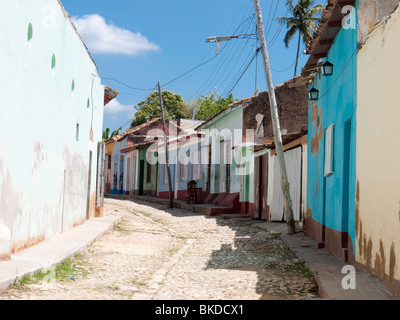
<point x="378" y="153"/>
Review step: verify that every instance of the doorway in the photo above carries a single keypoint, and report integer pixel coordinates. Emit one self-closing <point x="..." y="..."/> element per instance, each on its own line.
<point x="89" y="185"/>
<point x="346" y="183"/>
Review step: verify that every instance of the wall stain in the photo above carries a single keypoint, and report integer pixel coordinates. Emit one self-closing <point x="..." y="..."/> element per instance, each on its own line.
<point x="392" y="263"/>
<point x="316" y="136"/>
<point x="24" y="244"/>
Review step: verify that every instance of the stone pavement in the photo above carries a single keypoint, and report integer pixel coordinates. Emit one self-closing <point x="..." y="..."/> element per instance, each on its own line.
<point x="326" y="267"/>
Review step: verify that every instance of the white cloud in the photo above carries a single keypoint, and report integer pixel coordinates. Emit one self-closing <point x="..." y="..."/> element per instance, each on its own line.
<point x="114" y="107"/>
<point x="101" y="37"/>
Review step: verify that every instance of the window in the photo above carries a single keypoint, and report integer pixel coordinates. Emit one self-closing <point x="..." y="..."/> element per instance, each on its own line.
<point x="108" y="162"/>
<point x="148" y="175"/>
<point x="77" y="132"/>
<point x="165" y="174"/>
<point x="196" y="165"/>
<point x="184" y="169"/>
<point x="183" y="160"/>
<point x="53" y="62"/>
<point x="228" y="166"/>
<point x="225" y="164"/>
<point x="329" y="150"/>
<point x="30" y="32"/>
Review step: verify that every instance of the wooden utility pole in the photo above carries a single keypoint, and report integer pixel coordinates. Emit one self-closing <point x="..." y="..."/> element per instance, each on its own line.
<point x="171" y="196"/>
<point x="287" y="201"/>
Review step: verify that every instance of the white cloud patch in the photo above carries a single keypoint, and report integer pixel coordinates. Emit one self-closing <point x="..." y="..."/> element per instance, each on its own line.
<point x="114" y="107"/>
<point x="101" y="37"/>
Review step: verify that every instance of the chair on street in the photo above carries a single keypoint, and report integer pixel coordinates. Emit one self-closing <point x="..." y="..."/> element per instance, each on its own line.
<point x="191" y="196"/>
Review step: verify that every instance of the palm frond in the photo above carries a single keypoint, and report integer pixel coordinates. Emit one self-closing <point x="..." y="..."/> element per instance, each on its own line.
<point x="289" y="35"/>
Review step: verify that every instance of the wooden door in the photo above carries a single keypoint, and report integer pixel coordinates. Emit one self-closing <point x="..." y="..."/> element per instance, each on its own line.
<point x="261" y="187"/>
<point x="293" y="169"/>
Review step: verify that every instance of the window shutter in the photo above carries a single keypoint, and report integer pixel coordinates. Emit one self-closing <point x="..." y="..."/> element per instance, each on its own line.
<point x="329" y="134"/>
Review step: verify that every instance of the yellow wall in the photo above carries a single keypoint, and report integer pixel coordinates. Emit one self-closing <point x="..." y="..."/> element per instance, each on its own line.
<point x="378" y="153"/>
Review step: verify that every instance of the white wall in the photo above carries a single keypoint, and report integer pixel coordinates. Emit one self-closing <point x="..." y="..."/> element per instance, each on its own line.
<point x="43" y="168"/>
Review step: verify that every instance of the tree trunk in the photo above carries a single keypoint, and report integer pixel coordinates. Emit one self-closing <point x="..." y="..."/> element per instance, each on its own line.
<point x="297" y="56"/>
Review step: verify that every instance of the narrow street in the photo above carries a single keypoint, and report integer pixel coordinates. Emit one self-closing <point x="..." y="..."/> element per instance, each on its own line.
<point x="173" y="254"/>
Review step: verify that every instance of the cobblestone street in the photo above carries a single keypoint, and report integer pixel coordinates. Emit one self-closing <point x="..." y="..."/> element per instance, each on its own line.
<point x="170" y="254"/>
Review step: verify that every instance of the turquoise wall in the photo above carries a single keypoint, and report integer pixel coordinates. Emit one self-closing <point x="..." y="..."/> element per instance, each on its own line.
<point x="331" y="199"/>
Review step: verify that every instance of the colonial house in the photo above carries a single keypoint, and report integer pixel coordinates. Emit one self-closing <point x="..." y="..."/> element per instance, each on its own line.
<point x="184" y="154"/>
<point x="219" y="158"/>
<point x="235" y="150"/>
<point x="52" y="117"/>
<point x="377" y="196"/>
<point x="263" y="199"/>
<point x="352" y="194"/>
<point x="124" y="156"/>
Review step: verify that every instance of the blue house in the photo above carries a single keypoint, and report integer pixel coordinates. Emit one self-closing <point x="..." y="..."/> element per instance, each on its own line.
<point x="331" y="159"/>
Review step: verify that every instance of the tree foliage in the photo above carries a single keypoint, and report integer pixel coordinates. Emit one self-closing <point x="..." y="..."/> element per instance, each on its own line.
<point x="174" y="108"/>
<point x="211" y="104"/>
<point x="107" y="135"/>
<point x="303" y="19"/>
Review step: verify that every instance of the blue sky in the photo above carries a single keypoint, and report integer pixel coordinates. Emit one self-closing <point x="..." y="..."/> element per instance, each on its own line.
<point x="139" y="43"/>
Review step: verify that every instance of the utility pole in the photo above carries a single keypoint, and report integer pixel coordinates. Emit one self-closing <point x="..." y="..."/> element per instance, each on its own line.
<point x="171" y="199"/>
<point x="287" y="201"/>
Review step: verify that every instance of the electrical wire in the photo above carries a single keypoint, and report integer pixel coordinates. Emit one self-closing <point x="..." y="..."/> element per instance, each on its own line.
<point x="223" y="59"/>
<point x="231" y="67"/>
<point x="238" y="80"/>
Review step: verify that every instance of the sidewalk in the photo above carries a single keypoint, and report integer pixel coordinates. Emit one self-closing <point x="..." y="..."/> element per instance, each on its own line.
<point x="327" y="269"/>
<point x="53" y="251"/>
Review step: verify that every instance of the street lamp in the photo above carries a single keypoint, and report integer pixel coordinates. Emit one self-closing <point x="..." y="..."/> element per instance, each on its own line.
<point x="218" y="39"/>
<point x="313" y="94"/>
<point x="327" y="68"/>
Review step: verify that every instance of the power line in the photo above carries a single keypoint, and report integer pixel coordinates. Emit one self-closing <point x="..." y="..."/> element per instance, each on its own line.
<point x="247" y="67"/>
<point x="225" y="55"/>
<point x="122" y="83"/>
<point x="227" y="63"/>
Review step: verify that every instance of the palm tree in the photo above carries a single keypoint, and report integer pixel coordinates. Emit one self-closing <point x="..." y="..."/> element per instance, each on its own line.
<point x="303" y="19"/>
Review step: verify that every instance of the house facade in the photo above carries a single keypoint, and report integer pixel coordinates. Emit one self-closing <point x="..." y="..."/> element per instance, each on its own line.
<point x="221" y="158"/>
<point x="332" y="159"/>
<point x="53" y="103"/>
<point x="184" y="155"/>
<point x="377" y="199"/>
<point x="263" y="176"/>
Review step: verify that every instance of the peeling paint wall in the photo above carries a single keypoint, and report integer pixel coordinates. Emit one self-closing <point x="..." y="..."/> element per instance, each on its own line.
<point x="48" y="88"/>
<point x="378" y="173"/>
<point x="372" y="11"/>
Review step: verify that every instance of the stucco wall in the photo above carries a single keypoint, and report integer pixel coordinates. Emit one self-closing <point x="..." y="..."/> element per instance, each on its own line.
<point x="224" y="125"/>
<point x="378" y="153"/>
<point x="117" y="167"/>
<point x="43" y="168"/>
<point x="331" y="199"/>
